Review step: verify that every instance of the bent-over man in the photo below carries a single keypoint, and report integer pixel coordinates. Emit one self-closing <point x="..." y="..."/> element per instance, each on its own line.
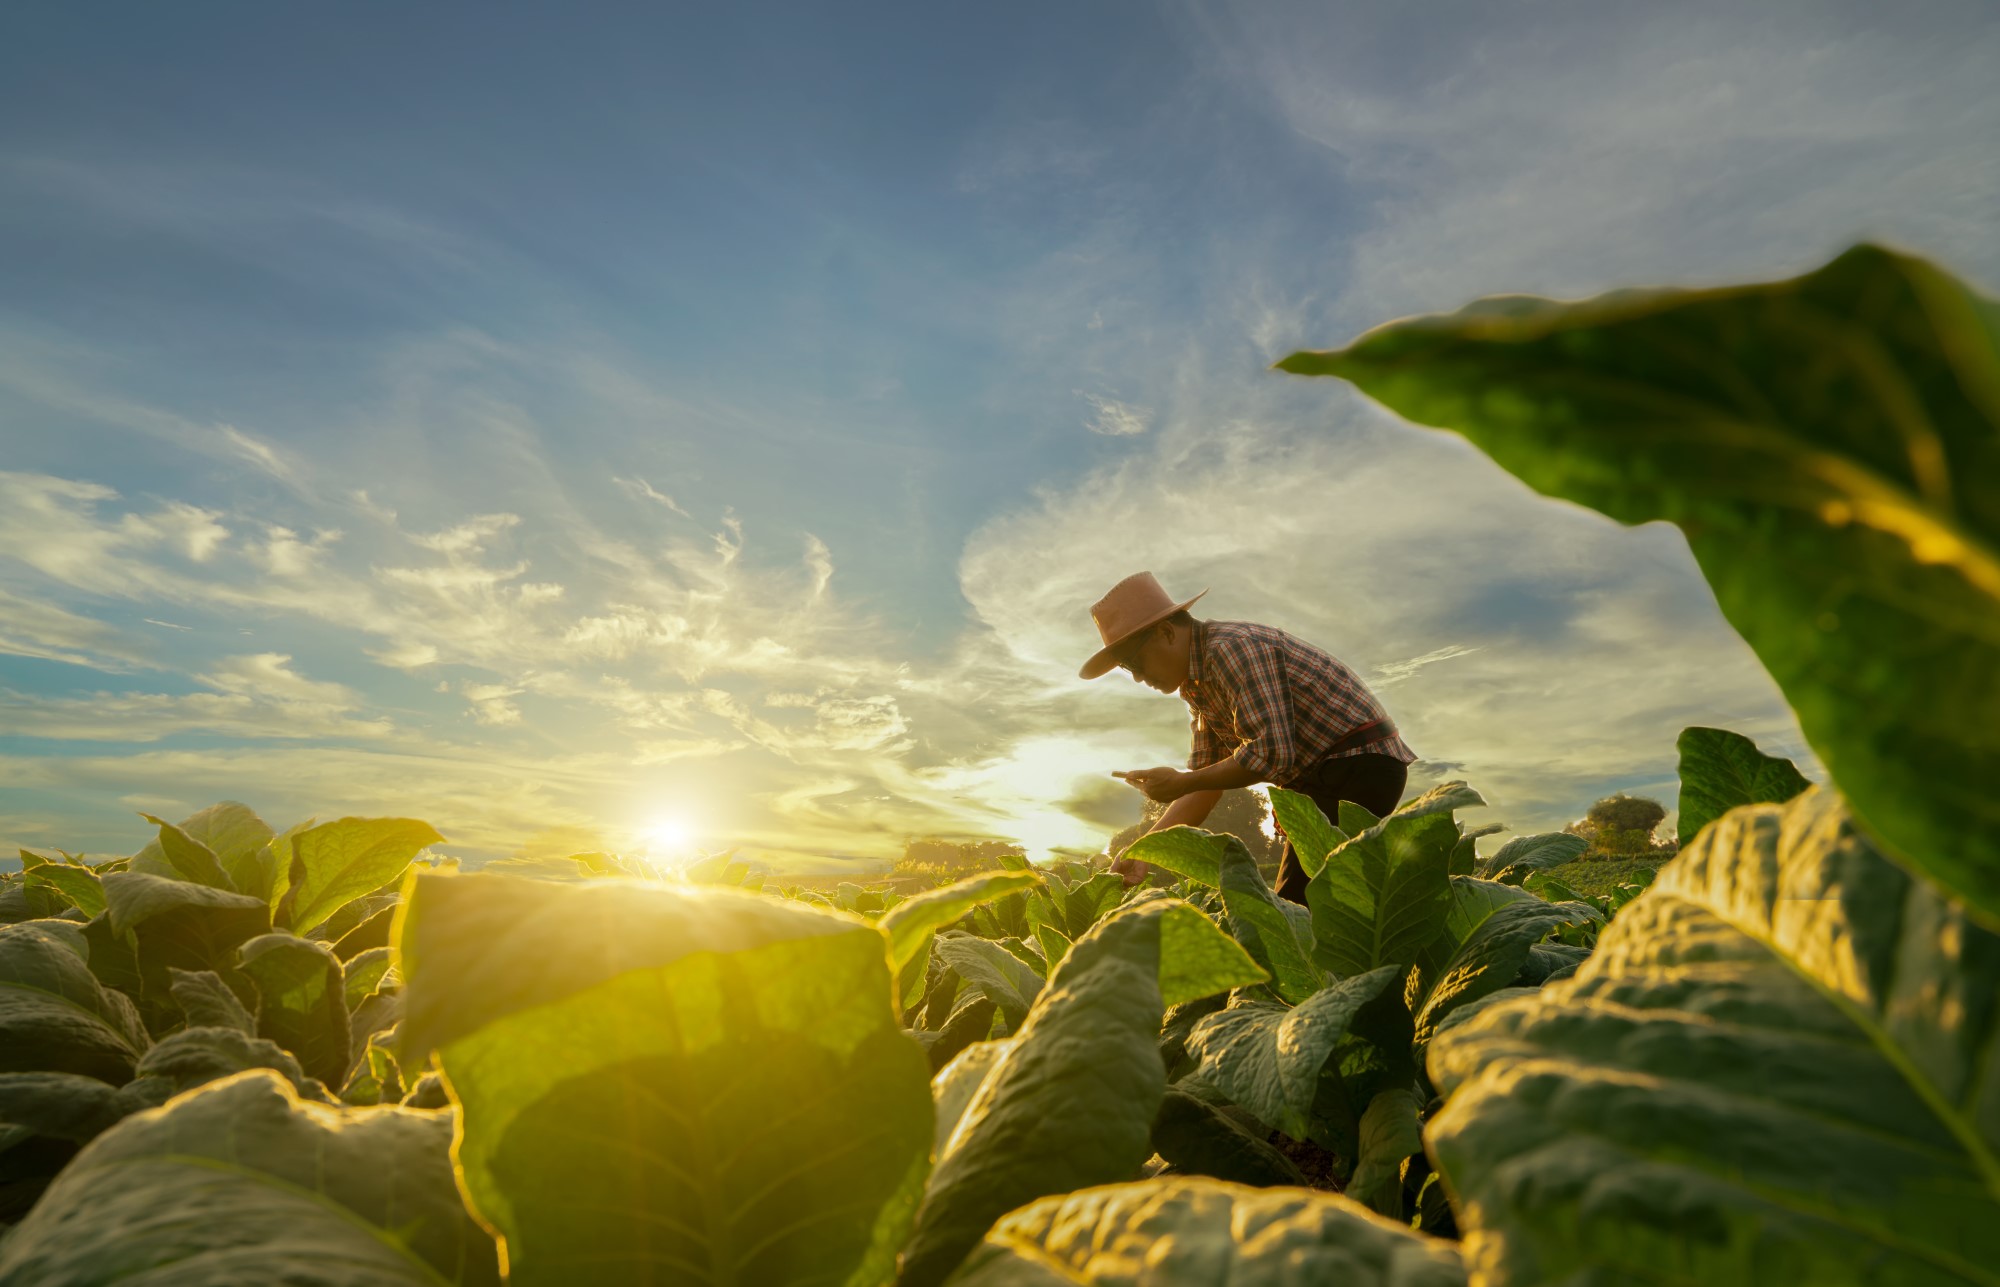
<point x="1263" y="706"/>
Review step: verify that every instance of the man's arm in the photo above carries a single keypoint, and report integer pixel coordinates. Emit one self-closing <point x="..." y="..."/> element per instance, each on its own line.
<point x="1166" y="785"/>
<point x="1190" y="810"/>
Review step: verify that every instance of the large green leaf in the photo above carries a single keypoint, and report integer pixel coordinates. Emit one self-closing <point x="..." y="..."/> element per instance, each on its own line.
<point x="337" y="862"/>
<point x="913" y="918"/>
<point x="196" y="1056"/>
<point x="78" y="885"/>
<point x="1312" y="837"/>
<point x="1072" y="1102"/>
<point x="1491" y="956"/>
<point x="302" y="1001"/>
<point x="1276" y="932"/>
<point x="1720" y="770"/>
<point x="993" y="972"/>
<point x="1828" y="445"/>
<point x="241" y="1182"/>
<point x="189" y="857"/>
<point x="1549" y="849"/>
<point x="1781" y="1065"/>
<point x="668" y="1084"/>
<point x="54" y="1014"/>
<point x="208" y="1002"/>
<point x="1267" y="1058"/>
<point x="179" y="925"/>
<point x="1200" y="1232"/>
<point x="1382" y="896"/>
<point x="236" y="837"/>
<point x="1195" y="1137"/>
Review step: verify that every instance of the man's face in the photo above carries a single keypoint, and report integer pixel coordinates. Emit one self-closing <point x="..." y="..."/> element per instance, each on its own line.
<point x="1153" y="659"/>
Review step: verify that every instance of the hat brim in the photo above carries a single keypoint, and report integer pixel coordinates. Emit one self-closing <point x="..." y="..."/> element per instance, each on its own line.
<point x="1101" y="662"/>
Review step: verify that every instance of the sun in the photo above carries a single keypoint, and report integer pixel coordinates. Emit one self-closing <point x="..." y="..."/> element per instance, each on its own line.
<point x="668" y="835"/>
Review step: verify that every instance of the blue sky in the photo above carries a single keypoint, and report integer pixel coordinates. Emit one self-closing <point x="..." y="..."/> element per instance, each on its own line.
<point x="553" y="421"/>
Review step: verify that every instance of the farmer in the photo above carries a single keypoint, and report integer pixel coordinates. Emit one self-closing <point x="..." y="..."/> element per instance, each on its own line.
<point x="1262" y="707"/>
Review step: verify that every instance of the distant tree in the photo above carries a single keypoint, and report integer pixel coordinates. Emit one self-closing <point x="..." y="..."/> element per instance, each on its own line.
<point x="1620" y="826"/>
<point x="1240" y="813"/>
<point x="953" y="857"/>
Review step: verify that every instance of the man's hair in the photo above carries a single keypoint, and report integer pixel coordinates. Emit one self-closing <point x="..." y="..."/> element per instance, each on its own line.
<point x="1182" y="618"/>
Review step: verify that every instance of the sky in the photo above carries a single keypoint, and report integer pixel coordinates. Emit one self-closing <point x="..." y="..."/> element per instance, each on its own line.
<point x="567" y="424"/>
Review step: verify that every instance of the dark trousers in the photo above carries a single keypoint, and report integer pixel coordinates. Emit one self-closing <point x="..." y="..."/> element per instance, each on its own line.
<point x="1375" y="782"/>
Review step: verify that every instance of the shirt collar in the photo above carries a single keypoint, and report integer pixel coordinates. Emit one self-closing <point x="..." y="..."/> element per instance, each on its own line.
<point x="1196" y="655"/>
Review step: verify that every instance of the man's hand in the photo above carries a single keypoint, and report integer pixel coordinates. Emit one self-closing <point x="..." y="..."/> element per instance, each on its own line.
<point x="1162" y="785"/>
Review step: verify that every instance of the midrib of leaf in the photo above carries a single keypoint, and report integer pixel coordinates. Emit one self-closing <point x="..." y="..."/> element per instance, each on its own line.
<point x="1983" y="1159"/>
<point x="341" y="1210"/>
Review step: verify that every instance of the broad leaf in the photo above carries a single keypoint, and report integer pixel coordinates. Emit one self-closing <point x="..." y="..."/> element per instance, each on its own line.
<point x="1201" y="1232"/>
<point x="1311" y="836"/>
<point x="242" y="1182"/>
<point x="54" y="1014"/>
<point x="67" y="1106"/>
<point x="1778" y="1066"/>
<point x="1382" y="896"/>
<point x="665" y="1084"/>
<point x="1491" y="956"/>
<point x="1390" y="1133"/>
<point x="237" y="838"/>
<point x="993" y="972"/>
<point x="1276" y="932"/>
<point x="361" y="975"/>
<point x="1720" y="770"/>
<point x="1267" y="1058"/>
<point x="189" y="857"/>
<point x="337" y="862"/>
<point x="1549" y="849"/>
<point x="1826" y="444"/>
<point x="208" y="1002"/>
<point x="1442" y="798"/>
<point x="78" y="885"/>
<point x="1197" y="1138"/>
<point x="1073" y="1102"/>
<point x="953" y="1087"/>
<point x="910" y="920"/>
<point x="196" y="1056"/>
<point x="303" y="1002"/>
<point x="179" y="925"/>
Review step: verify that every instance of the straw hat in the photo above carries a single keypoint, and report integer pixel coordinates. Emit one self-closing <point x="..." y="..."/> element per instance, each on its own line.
<point x="1133" y="604"/>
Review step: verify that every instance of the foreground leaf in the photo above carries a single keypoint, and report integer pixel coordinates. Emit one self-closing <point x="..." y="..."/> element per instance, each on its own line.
<point x="1200" y="1232"/>
<point x="1778" y="1066"/>
<point x="1826" y="444"/>
<point x="78" y="885"/>
<point x="1072" y="1102"/>
<point x="242" y="1182"/>
<point x="1721" y="770"/>
<point x="667" y="1084"/>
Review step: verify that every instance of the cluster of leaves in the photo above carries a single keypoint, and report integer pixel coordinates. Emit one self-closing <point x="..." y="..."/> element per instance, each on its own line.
<point x="1774" y="1063"/>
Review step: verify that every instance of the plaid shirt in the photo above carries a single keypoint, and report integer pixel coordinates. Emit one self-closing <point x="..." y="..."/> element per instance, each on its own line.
<point x="1275" y="701"/>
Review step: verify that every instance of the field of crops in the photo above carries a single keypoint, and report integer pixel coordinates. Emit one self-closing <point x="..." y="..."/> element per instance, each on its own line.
<point x="317" y="1056"/>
